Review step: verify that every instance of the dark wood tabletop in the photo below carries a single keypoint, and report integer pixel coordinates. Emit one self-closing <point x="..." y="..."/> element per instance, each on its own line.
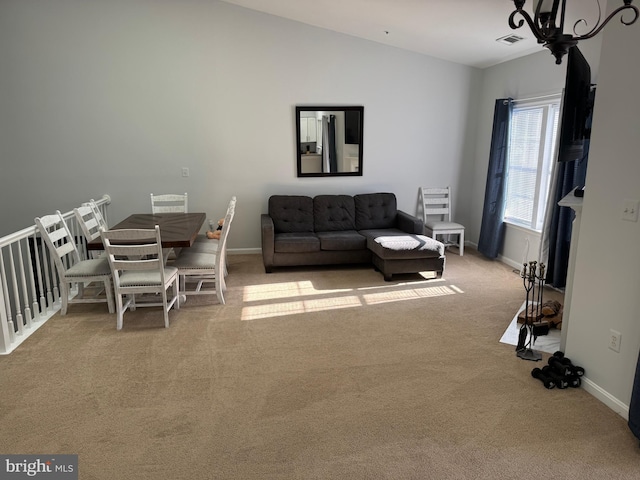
<point x="177" y="230"/>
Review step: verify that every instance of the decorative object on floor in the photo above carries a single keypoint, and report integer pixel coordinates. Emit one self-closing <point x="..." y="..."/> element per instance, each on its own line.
<point x="544" y="28"/>
<point x="552" y="313"/>
<point x="560" y="372"/>
<point x="533" y="281"/>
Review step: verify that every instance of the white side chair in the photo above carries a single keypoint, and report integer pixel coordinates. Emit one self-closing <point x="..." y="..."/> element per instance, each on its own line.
<point x="137" y="264"/>
<point x="202" y="268"/>
<point x="169" y="203"/>
<point x="210" y="245"/>
<point x="436" y="215"/>
<point x="71" y="269"/>
<point x="90" y="226"/>
<point x="97" y="213"/>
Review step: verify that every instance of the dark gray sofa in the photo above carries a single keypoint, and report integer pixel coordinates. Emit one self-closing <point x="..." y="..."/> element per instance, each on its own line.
<point x="339" y="229"/>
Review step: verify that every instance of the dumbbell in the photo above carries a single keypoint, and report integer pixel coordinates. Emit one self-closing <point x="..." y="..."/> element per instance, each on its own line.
<point x="547" y="382"/>
<point x="575" y="370"/>
<point x="574" y="381"/>
<point x="559" y="367"/>
<point x="560" y="381"/>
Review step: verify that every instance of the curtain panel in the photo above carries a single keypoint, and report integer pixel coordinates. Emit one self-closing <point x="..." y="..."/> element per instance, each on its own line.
<point x="558" y="239"/>
<point x="492" y="227"/>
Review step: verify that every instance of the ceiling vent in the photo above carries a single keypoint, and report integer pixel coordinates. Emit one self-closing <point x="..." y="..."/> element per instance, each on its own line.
<point x="509" y="39"/>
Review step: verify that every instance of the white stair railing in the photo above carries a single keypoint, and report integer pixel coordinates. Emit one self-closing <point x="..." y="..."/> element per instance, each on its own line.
<point x="29" y="292"/>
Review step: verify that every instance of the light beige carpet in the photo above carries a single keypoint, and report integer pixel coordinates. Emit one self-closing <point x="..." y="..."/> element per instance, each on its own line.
<point x="318" y="373"/>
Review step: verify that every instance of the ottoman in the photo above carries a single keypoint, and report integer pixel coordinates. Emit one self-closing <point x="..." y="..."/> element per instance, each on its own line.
<point x="408" y="253"/>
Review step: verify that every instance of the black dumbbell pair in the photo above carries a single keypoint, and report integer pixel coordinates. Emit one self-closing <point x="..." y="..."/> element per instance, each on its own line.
<point x="560" y="372"/>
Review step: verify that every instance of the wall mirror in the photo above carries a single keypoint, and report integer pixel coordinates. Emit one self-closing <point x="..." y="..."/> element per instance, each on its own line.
<point x="329" y="141"/>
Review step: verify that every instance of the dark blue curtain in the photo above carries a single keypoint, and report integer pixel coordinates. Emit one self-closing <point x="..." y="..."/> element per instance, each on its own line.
<point x="492" y="228"/>
<point x="634" y="405"/>
<point x="333" y="154"/>
<point x="570" y="175"/>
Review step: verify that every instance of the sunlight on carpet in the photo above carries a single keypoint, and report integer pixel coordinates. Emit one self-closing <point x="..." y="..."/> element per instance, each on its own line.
<point x="333" y="298"/>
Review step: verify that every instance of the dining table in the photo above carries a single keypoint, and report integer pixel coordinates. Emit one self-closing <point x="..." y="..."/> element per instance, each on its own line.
<point x="177" y="230"/>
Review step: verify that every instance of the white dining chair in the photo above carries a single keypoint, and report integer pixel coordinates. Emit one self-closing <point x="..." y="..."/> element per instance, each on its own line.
<point x="197" y="268"/>
<point x="71" y="268"/>
<point x="203" y="244"/>
<point x="137" y="265"/>
<point x="90" y="226"/>
<point x="169" y="203"/>
<point x="97" y="213"/>
<point x="436" y="215"/>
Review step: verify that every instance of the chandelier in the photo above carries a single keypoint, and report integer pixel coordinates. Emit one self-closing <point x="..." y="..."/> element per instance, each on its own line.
<point x="551" y="35"/>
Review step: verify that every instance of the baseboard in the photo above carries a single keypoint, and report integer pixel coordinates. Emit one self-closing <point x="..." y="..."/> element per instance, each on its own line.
<point x="511" y="263"/>
<point x="605" y="397"/>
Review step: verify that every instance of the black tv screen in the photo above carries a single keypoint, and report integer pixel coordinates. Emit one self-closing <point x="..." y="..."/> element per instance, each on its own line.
<point x="576" y="108"/>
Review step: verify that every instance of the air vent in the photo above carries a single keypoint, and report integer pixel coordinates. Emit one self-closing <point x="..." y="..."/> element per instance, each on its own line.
<point x="510" y="39"/>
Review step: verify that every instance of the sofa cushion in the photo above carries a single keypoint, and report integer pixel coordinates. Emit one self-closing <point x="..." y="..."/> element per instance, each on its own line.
<point x="297" y="242"/>
<point x="345" y="240"/>
<point x="375" y="210"/>
<point x="291" y="213"/>
<point x="334" y="213"/>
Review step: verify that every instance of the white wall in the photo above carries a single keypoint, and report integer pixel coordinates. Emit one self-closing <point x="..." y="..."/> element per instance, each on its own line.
<point x="117" y="96"/>
<point x="606" y="290"/>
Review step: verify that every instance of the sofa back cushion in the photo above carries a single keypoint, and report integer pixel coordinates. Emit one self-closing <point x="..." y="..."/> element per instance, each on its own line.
<point x="375" y="210"/>
<point x="333" y="213"/>
<point x="291" y="213"/>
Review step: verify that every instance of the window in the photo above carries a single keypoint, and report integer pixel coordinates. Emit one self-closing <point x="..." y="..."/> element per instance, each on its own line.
<point x="530" y="158"/>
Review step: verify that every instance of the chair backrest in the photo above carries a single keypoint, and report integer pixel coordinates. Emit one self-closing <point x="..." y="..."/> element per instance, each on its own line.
<point x="169" y="203"/>
<point x="231" y="208"/>
<point x="135" y="250"/>
<point x="98" y="214"/>
<point x="436" y="202"/>
<point x="88" y="222"/>
<point x="222" y="245"/>
<point x="59" y="240"/>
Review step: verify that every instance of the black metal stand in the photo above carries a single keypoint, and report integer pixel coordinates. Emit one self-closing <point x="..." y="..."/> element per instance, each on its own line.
<point x="533" y="281"/>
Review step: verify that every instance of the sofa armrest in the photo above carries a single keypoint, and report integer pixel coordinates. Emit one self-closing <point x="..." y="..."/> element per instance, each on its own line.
<point x="268" y="241"/>
<point x="409" y="223"/>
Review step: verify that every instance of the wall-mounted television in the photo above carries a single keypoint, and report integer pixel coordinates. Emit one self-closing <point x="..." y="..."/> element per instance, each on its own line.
<point x="577" y="105"/>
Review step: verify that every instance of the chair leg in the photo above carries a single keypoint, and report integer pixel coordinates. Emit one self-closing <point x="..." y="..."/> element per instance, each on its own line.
<point x="219" y="289"/>
<point x="109" y="293"/>
<point x="176" y="293"/>
<point x="461" y="244"/>
<point x="165" y="308"/>
<point x="120" y="313"/>
<point x="64" y="297"/>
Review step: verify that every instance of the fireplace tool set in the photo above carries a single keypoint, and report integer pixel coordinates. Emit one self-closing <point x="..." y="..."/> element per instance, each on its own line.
<point x="533" y="280"/>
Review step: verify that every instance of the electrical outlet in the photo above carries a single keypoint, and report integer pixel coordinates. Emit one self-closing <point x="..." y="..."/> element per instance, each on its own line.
<point x="185" y="172"/>
<point x="614" y="340"/>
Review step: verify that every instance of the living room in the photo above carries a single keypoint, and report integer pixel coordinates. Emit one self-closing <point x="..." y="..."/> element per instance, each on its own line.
<point x="118" y="97"/>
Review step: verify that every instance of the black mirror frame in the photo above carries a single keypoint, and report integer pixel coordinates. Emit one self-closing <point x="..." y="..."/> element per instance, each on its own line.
<point x="335" y="108"/>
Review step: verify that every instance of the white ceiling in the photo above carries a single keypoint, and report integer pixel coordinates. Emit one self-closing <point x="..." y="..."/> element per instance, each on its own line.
<point x="460" y="31"/>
